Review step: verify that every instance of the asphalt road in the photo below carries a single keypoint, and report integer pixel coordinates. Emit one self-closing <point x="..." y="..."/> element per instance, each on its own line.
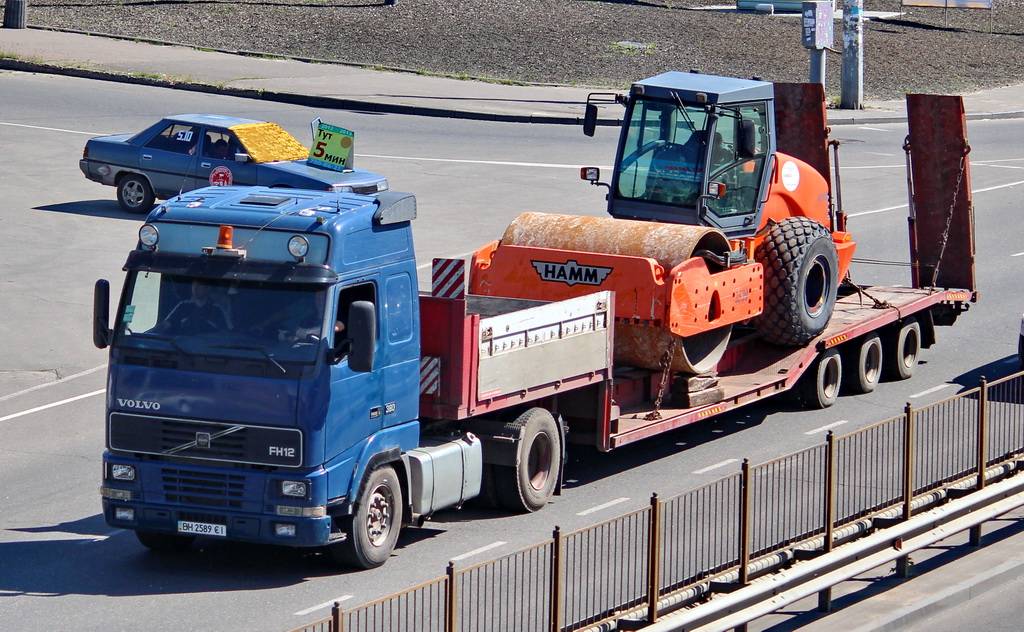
<point x="60" y="566"/>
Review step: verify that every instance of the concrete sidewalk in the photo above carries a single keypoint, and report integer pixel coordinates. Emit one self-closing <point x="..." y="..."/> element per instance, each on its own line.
<point x="331" y="85"/>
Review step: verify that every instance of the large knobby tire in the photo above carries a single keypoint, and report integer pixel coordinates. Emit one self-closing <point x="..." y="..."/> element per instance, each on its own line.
<point x="159" y="541"/>
<point x="530" y="484"/>
<point x="800" y="281"/>
<point x="373" y="529"/>
<point x="134" y="194"/>
<point x="819" y="387"/>
<point x="903" y="346"/>
<point x="862" y="364"/>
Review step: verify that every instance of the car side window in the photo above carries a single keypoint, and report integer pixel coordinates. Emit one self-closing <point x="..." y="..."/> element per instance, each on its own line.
<point x="220" y="145"/>
<point x="176" y="137"/>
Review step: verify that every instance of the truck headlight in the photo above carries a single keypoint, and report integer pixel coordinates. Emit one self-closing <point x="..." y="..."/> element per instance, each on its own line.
<point x="295" y="489"/>
<point x="298" y="247"/>
<point x="122" y="472"/>
<point x="149" y="235"/>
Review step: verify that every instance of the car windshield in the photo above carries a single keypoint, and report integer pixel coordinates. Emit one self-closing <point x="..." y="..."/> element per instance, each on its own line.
<point x="664" y="153"/>
<point x="276" y="324"/>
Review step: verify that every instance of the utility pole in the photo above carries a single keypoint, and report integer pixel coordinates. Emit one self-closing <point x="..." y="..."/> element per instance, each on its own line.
<point x="852" y="86"/>
<point x="14" y="14"/>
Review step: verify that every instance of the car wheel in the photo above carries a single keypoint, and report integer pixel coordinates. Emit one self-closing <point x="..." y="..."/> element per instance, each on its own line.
<point x="134" y="194"/>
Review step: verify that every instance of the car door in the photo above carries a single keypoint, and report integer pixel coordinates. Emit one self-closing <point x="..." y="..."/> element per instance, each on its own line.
<point x="167" y="158"/>
<point x="216" y="165"/>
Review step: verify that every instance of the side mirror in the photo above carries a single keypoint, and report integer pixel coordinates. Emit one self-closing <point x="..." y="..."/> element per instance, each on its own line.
<point x="362" y="331"/>
<point x="101" y="314"/>
<point x="747" y="145"/>
<point x="590" y="119"/>
<point x="241" y="156"/>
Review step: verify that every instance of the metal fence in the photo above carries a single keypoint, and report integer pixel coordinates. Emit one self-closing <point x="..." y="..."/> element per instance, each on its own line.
<point x="577" y="580"/>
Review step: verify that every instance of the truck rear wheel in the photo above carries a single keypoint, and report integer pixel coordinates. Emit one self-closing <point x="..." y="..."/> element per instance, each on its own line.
<point x="134" y="194"/>
<point x="373" y="529"/>
<point x="800" y="281"/>
<point x="530" y="484"/>
<point x="819" y="387"/>
<point x="158" y="541"/>
<point x="863" y="364"/>
<point x="904" y="347"/>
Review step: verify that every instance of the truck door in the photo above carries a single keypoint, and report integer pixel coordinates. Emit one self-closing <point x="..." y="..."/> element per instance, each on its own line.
<point x="216" y="165"/>
<point x="168" y="157"/>
<point x="356" y="399"/>
<point x="740" y="172"/>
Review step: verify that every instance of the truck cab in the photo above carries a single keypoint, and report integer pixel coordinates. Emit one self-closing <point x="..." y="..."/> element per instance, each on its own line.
<point x="249" y="319"/>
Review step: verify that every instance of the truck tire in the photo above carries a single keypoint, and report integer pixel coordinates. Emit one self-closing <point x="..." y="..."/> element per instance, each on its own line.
<point x="134" y="194"/>
<point x="862" y="364"/>
<point x="158" y="541"/>
<point x="903" y="348"/>
<point x="800" y="281"/>
<point x="819" y="387"/>
<point x="372" y="530"/>
<point x="529" y="485"/>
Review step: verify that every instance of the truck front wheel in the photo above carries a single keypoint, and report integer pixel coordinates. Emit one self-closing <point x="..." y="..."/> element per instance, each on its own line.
<point x="373" y="529"/>
<point x="530" y="484"/>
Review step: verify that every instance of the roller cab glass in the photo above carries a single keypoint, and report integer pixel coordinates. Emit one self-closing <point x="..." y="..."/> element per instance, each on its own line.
<point x="280" y="325"/>
<point x="664" y="153"/>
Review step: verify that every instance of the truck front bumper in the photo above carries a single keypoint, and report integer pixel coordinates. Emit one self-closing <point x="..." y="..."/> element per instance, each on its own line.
<point x="247" y="527"/>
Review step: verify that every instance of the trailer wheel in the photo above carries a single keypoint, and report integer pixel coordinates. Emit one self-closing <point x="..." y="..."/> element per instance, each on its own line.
<point x="373" y="528"/>
<point x="530" y="484"/>
<point x="800" y="281"/>
<point x="904" y="347"/>
<point x="134" y="194"/>
<point x="863" y="363"/>
<point x="158" y="541"/>
<point x="819" y="387"/>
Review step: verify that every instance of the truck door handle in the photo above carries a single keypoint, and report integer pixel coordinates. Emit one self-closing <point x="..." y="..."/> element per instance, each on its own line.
<point x="147" y="156"/>
<point x="204" y="165"/>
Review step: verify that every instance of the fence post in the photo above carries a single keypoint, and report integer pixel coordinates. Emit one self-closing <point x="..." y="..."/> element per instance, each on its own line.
<point x="556" y="581"/>
<point x="653" y="559"/>
<point x="450" y="599"/>
<point x="975" y="537"/>
<point x="825" y="596"/>
<point x="744" y="535"/>
<point x="337" y="621"/>
<point x="903" y="563"/>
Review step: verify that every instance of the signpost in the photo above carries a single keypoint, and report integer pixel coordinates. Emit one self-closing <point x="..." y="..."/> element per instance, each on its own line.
<point x="817" y="35"/>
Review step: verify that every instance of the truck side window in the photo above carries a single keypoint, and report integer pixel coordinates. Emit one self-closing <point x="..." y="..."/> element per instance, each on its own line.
<point x="741" y="175"/>
<point x="347" y="296"/>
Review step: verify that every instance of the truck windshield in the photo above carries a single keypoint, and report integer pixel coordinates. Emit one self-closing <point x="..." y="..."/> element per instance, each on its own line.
<point x="273" y="323"/>
<point x="663" y="153"/>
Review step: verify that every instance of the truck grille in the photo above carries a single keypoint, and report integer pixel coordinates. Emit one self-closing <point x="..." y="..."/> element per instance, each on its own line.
<point x="205" y="440"/>
<point x="203" y="488"/>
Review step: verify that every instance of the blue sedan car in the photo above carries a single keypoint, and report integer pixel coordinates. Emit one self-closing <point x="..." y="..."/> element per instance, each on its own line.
<point x="189" y="151"/>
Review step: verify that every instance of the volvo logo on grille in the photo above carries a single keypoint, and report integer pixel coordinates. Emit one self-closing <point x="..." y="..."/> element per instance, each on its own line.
<point x="138" y="403"/>
<point x="202" y="439"/>
<point x="571" y="272"/>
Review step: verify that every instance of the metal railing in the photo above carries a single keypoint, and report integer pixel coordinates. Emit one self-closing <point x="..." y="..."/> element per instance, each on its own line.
<point x="719" y="536"/>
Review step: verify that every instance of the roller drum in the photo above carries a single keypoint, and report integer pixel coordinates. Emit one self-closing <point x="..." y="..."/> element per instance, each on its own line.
<point x="669" y="244"/>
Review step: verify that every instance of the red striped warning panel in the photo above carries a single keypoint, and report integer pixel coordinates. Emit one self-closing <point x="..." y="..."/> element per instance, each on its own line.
<point x="430" y="375"/>
<point x="448" y="278"/>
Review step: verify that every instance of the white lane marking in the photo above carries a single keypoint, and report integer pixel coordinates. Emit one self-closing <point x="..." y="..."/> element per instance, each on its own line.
<point x="610" y="503"/>
<point x="48" y="384"/>
<point x="881" y="210"/>
<point x="492" y="545"/>
<point x="826" y="427"/>
<point x="715" y="466"/>
<point x="462" y="256"/>
<point x="326" y="604"/>
<point x="44" y="407"/>
<point x="874" y="129"/>
<point x="1018" y="254"/>
<point x="975" y="191"/>
<point x="98" y="538"/>
<point x="931" y="390"/>
<point x="52" y="129"/>
<point x="500" y="163"/>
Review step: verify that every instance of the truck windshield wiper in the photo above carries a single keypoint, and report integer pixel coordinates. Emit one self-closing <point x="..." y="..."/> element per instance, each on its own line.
<point x="263" y="350"/>
<point x="171" y="340"/>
